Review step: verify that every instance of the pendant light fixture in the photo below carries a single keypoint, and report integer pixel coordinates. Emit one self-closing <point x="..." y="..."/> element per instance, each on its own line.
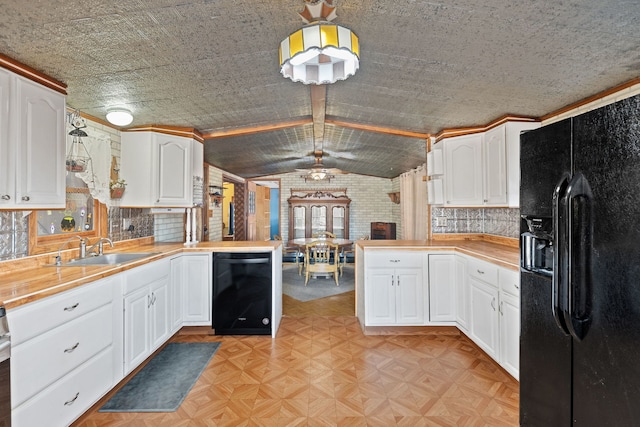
<point x="321" y="52"/>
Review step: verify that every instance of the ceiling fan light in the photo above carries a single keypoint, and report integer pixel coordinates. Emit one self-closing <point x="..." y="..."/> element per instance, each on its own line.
<point x="119" y="117"/>
<point x="318" y="175"/>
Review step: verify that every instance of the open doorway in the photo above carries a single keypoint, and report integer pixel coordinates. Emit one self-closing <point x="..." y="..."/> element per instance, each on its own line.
<point x="267" y="209"/>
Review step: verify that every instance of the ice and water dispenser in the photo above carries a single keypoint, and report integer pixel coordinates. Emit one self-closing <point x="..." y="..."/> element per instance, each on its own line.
<point x="536" y="244"/>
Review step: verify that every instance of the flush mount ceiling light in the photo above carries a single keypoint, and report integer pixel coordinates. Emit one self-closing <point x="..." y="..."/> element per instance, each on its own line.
<point x="119" y="117"/>
<point x="321" y="52"/>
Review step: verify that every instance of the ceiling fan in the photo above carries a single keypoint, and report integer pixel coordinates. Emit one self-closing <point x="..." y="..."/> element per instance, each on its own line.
<point x="318" y="171"/>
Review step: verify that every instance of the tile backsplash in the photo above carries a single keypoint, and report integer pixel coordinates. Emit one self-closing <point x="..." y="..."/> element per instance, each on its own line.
<point x="497" y="221"/>
<point x="14" y="235"/>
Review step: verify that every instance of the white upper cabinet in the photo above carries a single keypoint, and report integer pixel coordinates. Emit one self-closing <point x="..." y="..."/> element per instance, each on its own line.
<point x="483" y="169"/>
<point x="495" y="167"/>
<point x="159" y="169"/>
<point x="463" y="170"/>
<point x="32" y="144"/>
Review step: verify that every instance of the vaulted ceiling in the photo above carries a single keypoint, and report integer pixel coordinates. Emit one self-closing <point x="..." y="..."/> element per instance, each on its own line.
<point x="425" y="66"/>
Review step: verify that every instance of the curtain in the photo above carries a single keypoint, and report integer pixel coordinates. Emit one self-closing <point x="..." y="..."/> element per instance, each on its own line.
<point x="413" y="204"/>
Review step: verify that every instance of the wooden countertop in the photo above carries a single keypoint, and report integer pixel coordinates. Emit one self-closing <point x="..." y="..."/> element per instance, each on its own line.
<point x="505" y="255"/>
<point x="29" y="279"/>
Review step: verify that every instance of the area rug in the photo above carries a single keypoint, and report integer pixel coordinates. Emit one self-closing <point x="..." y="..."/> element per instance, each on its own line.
<point x="164" y="382"/>
<point x="293" y="284"/>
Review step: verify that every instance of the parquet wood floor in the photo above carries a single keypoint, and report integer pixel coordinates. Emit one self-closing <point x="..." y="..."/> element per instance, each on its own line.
<point x="322" y="371"/>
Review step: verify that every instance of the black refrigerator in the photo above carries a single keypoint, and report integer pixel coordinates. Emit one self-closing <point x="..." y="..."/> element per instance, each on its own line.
<point x="580" y="270"/>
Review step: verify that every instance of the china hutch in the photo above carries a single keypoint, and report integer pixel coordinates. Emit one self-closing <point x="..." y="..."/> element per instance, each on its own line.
<point x="315" y="210"/>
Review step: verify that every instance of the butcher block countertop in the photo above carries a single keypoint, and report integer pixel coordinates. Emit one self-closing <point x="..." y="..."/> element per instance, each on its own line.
<point x="501" y="251"/>
<point x="29" y="279"/>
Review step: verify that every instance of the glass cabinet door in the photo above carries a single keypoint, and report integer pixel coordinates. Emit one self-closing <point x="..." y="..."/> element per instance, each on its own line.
<point x="338" y="221"/>
<point x="318" y="219"/>
<point x="299" y="219"/>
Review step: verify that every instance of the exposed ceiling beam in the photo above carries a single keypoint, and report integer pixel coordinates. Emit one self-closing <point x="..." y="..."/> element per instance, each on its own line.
<point x="318" y="108"/>
<point x="372" y="128"/>
<point x="257" y="129"/>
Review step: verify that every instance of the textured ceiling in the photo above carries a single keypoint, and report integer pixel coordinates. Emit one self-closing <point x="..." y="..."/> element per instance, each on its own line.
<point x="425" y="66"/>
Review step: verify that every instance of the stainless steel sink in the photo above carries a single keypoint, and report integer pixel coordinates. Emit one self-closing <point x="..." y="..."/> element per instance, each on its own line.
<point x="106" y="259"/>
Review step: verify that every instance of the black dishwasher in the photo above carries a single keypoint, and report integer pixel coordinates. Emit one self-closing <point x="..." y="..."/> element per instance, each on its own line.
<point x="242" y="293"/>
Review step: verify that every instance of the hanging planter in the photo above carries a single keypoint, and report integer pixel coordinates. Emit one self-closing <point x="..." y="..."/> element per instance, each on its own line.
<point x="117" y="188"/>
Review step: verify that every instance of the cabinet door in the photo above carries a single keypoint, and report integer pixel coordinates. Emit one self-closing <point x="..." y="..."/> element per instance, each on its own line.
<point x="442" y="302"/>
<point x="380" y="296"/>
<point x="462" y="293"/>
<point x="484" y="316"/>
<point x="174" y="171"/>
<point x="197" y="289"/>
<point x="176" y="293"/>
<point x="510" y="333"/>
<point x="136" y="328"/>
<point x="495" y="167"/>
<point x="41" y="147"/>
<point x="463" y="170"/>
<point x="159" y="312"/>
<point x="409" y="298"/>
<point x="7" y="166"/>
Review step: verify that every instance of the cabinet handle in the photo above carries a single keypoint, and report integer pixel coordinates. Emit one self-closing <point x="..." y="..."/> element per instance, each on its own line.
<point x="493" y="303"/>
<point x="153" y="298"/>
<point x="72" y="307"/>
<point x="71" y="349"/>
<point x="480" y="271"/>
<point x="392" y="280"/>
<point x="70" y="402"/>
<point x="148" y="301"/>
<point x="6" y="197"/>
<point x="26" y="198"/>
<point x="516" y="286"/>
<point x="394" y="260"/>
<point x="501" y="308"/>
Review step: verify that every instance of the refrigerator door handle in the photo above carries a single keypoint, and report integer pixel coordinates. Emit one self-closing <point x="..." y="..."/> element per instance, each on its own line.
<point x="579" y="205"/>
<point x="560" y="253"/>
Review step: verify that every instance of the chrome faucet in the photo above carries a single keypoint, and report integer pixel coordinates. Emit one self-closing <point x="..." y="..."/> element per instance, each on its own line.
<point x="99" y="245"/>
<point x="83" y="248"/>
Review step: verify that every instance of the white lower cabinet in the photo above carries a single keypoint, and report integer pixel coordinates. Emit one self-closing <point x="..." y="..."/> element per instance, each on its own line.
<point x="442" y="288"/>
<point x="197" y="298"/>
<point x="394" y="288"/>
<point x="510" y="321"/>
<point x="66" y="353"/>
<point x="463" y="294"/>
<point x="146" y="311"/>
<point x="484" y="316"/>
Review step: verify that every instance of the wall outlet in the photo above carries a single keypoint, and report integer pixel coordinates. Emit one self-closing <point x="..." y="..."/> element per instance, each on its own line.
<point x="126" y="222"/>
<point x="441" y="221"/>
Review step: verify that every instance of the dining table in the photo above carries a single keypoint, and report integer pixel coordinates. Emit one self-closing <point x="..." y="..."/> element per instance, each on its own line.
<point x="302" y="242"/>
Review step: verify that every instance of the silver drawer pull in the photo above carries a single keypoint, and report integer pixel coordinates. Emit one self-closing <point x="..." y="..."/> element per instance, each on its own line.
<point x="493" y="303"/>
<point x="71" y="349"/>
<point x="6" y="197"/>
<point x="72" y="307"/>
<point x="70" y="402"/>
<point x="394" y="260"/>
<point x="516" y="286"/>
<point x="26" y="198"/>
<point x="480" y="271"/>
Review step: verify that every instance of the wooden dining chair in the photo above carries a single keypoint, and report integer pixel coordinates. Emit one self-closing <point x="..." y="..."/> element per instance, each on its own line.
<point x="291" y="251"/>
<point x="325" y="234"/>
<point x="321" y="257"/>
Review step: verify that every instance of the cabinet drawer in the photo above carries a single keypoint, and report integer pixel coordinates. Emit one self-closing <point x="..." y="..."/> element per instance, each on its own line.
<point x="509" y="281"/>
<point x="484" y="271"/>
<point x="41" y="361"/>
<point x="140" y="277"/>
<point x="394" y="259"/>
<point x="70" y="397"/>
<point x="38" y="317"/>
